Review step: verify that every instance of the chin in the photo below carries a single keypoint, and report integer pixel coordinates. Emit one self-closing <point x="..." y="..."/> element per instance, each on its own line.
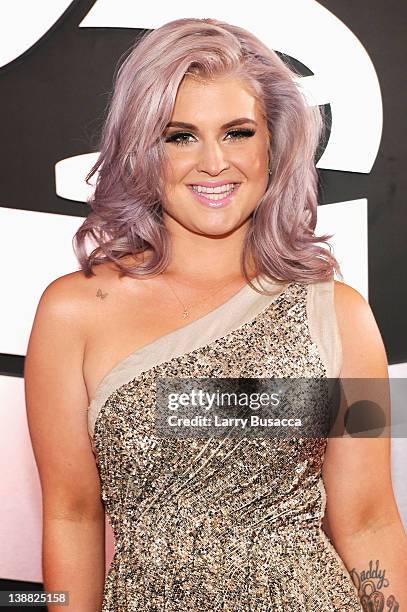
<point x="217" y="227"/>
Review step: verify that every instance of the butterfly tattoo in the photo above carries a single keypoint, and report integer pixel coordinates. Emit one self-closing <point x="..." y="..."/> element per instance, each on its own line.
<point x="101" y="294"/>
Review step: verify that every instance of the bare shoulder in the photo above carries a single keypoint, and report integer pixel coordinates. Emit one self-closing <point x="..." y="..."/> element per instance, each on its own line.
<point x="363" y="349"/>
<point x="352" y="308"/>
<point x="75" y="286"/>
<point x="75" y="296"/>
<point x="346" y="294"/>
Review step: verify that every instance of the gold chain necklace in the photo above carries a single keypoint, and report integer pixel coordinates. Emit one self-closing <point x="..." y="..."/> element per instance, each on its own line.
<point x="185" y="309"/>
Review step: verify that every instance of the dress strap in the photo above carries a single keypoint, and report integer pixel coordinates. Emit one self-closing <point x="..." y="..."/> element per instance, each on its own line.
<point x="323" y="325"/>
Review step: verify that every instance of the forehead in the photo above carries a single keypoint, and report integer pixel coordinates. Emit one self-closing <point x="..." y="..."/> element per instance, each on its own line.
<point x="216" y="100"/>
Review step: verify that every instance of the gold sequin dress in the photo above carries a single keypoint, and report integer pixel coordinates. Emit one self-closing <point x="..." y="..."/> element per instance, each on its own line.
<point x="229" y="524"/>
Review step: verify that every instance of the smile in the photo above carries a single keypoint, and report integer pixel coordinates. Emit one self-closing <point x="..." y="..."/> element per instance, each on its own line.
<point x="215" y="197"/>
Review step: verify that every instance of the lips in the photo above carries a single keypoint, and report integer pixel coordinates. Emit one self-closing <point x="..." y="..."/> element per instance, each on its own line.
<point x="214" y="194"/>
<point x="214" y="199"/>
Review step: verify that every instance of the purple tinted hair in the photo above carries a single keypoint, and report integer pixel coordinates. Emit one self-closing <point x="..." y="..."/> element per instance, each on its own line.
<point x="126" y="215"/>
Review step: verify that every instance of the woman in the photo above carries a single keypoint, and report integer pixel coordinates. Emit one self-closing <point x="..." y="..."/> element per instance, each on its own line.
<point x="206" y="265"/>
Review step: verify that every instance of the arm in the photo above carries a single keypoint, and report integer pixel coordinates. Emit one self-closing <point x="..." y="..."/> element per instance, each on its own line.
<point x="362" y="518"/>
<point x="73" y="554"/>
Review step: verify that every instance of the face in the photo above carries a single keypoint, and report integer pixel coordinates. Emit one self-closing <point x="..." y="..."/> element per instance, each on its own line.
<point x="226" y="142"/>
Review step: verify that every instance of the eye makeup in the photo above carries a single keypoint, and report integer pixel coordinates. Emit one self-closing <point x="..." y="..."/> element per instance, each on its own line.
<point x="237" y="134"/>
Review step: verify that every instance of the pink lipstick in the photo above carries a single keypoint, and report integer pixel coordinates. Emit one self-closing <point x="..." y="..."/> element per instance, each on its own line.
<point x="214" y="200"/>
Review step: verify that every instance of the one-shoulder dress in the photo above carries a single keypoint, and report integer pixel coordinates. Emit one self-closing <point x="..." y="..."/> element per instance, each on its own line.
<point x="233" y="523"/>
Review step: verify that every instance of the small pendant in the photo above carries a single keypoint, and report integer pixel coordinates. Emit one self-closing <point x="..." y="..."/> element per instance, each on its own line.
<point x="185" y="314"/>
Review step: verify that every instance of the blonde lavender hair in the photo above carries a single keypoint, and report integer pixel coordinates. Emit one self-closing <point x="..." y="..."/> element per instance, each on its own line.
<point x="126" y="215"/>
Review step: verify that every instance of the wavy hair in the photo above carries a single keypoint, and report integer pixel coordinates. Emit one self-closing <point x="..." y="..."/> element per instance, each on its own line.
<point x="126" y="216"/>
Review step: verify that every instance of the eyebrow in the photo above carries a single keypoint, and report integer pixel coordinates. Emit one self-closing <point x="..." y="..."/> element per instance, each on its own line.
<point x="190" y="126"/>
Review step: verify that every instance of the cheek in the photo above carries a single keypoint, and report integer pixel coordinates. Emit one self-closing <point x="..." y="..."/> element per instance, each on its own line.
<point x="255" y="170"/>
<point x="177" y="167"/>
<point x="253" y="161"/>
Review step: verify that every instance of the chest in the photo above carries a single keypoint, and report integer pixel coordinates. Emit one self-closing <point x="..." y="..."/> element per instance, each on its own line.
<point x="122" y="330"/>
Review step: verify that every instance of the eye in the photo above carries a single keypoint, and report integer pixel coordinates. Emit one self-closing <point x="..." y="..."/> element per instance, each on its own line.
<point x="238" y="134"/>
<point x="179" y="138"/>
<point x="175" y="138"/>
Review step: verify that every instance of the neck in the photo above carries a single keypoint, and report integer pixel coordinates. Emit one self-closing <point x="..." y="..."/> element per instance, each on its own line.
<point x="201" y="259"/>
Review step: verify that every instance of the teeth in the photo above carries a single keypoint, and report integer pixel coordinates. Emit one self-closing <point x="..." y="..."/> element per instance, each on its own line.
<point x="222" y="189"/>
<point x="217" y="196"/>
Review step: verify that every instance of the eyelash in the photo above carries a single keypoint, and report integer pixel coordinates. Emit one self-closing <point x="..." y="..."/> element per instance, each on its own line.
<point x="241" y="134"/>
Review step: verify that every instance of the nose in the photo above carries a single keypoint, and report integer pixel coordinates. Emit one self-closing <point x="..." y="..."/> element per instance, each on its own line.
<point x="212" y="159"/>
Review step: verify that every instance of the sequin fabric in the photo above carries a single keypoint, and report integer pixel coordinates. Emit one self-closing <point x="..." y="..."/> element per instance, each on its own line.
<point x="220" y="523"/>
